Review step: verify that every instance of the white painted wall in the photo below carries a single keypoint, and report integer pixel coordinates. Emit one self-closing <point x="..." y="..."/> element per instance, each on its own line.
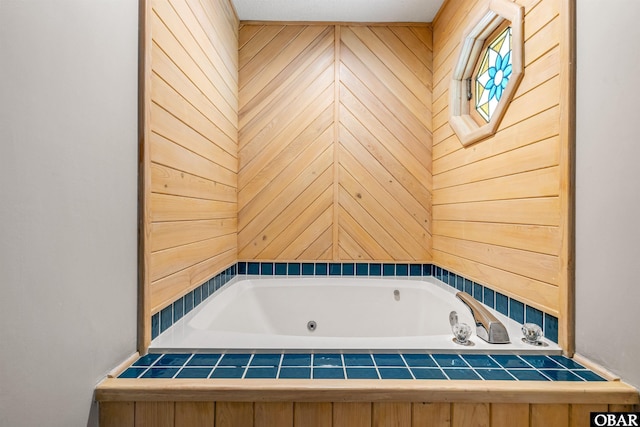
<point x="68" y="93"/>
<point x="608" y="185"/>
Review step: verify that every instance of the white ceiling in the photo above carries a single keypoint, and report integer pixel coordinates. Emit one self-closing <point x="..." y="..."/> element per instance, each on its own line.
<point x="338" y="10"/>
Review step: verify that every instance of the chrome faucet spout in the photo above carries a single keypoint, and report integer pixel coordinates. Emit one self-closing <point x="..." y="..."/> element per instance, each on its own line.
<point x="488" y="327"/>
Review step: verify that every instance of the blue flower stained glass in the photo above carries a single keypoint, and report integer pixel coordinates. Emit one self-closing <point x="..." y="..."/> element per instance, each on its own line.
<point x="493" y="74"/>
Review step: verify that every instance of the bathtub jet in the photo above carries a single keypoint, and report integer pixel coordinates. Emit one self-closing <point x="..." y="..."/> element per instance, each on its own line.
<point x="340" y="313"/>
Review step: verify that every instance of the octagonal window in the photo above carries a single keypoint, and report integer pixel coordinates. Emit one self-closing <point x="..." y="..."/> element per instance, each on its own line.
<point x="488" y="71"/>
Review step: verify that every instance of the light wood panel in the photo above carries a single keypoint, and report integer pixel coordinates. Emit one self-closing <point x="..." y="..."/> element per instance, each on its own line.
<point x="234" y="414"/>
<point x="549" y="415"/>
<point x="385" y="143"/>
<point x="471" y="415"/>
<point x="354" y="403"/>
<point x="154" y="414"/>
<point x="313" y="414"/>
<point x="267" y="414"/>
<point x="190" y="142"/>
<point x="285" y="139"/>
<point x="500" y="210"/>
<point x="431" y="414"/>
<point x="391" y="414"/>
<point x="194" y="414"/>
<point x="117" y="414"/>
<point x="335" y="142"/>
<point x="337" y="414"/>
<point x="250" y="390"/>
<point x="351" y="414"/>
<point x="510" y="415"/>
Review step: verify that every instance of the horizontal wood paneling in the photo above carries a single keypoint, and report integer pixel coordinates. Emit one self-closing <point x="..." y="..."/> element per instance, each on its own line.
<point x="192" y="145"/>
<point x="335" y="142"/>
<point x="499" y="206"/>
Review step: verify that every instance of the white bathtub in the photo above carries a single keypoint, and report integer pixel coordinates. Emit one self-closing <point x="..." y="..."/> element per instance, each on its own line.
<point x="272" y="313"/>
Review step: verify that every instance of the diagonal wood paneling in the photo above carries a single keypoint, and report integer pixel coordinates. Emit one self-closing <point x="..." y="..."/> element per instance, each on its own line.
<point x="334" y="142"/>
<point x="286" y="143"/>
<point x="385" y="143"/>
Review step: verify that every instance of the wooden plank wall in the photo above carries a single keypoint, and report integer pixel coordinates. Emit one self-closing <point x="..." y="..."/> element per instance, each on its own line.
<point x="501" y="206"/>
<point x="334" y="142"/>
<point x="339" y="414"/>
<point x="192" y="144"/>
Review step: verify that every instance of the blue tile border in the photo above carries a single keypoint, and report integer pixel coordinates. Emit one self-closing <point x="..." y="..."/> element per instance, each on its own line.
<point x="170" y="314"/>
<point x="504" y="304"/>
<point x="363" y="365"/>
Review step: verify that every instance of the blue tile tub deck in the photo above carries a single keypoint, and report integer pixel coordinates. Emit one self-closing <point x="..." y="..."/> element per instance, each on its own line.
<point x="419" y="361"/>
<point x="428" y="374"/>
<point x="293" y="359"/>
<point x="362" y="373"/>
<point x="409" y="366"/>
<point x="359" y="360"/>
<point x="294" y="373"/>
<point x="495" y="374"/>
<point x="328" y="373"/>
<point x="395" y="373"/>
<point x="204" y="359"/>
<point x="172" y="360"/>
<point x="235" y="360"/>
<point x="266" y="360"/>
<point x="267" y="372"/>
<point x="194" y="373"/>
<point x="461" y="374"/>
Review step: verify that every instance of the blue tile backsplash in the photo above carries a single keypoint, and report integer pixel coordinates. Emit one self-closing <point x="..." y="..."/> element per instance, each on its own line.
<point x="510" y="307"/>
<point x="409" y="366"/>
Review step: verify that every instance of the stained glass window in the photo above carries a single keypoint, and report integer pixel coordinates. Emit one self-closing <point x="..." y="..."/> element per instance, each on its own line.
<point x="493" y="75"/>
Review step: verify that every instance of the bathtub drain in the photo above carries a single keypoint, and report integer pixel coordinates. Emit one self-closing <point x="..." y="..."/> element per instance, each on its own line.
<point x="312" y="325"/>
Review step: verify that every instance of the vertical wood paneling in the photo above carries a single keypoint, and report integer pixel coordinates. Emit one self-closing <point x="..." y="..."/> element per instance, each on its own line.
<point x="471" y="415"/>
<point x="192" y="144"/>
<point x="154" y="414"/>
<point x="522" y="165"/>
<point x="351" y="100"/>
<point x="269" y="414"/>
<point x="189" y="414"/>
<point x="351" y="414"/>
<point x="549" y="415"/>
<point x="234" y="414"/>
<point x="311" y="414"/>
<point x="337" y="414"/>
<point x="391" y="414"/>
<point x="579" y="415"/>
<point x="431" y="415"/>
<point x="510" y="415"/>
<point x="117" y="414"/>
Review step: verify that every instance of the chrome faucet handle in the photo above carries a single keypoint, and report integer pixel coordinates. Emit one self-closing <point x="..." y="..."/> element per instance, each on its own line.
<point x="453" y="318"/>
